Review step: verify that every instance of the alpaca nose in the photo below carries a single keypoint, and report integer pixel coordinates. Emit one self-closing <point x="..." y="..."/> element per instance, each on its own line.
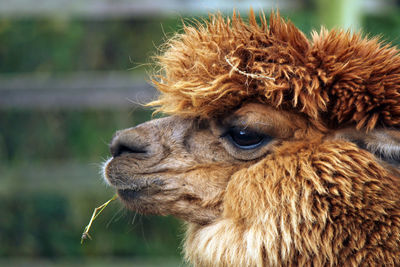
<point x="128" y="142"/>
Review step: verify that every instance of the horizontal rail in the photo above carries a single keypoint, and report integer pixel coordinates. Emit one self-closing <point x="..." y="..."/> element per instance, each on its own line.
<point x="76" y="90"/>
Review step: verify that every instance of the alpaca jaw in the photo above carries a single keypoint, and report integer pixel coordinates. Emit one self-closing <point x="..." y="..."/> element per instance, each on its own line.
<point x="157" y="193"/>
<point x="163" y="194"/>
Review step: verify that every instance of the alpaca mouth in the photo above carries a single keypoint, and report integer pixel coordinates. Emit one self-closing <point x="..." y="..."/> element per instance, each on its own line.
<point x="121" y="178"/>
<point x="143" y="195"/>
<point x="129" y="194"/>
<point x="140" y="187"/>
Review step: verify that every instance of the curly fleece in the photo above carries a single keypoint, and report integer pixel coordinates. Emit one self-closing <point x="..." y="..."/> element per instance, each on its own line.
<point x="336" y="78"/>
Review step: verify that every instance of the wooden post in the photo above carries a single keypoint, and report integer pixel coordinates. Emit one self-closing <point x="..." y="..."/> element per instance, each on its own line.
<point x="344" y="14"/>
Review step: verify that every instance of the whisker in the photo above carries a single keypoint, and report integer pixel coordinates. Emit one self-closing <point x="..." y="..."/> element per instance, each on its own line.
<point x="134" y="218"/>
<point x="118" y="213"/>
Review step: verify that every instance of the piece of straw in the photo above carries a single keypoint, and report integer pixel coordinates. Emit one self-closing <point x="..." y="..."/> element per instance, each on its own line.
<point x="96" y="212"/>
<point x="251" y="75"/>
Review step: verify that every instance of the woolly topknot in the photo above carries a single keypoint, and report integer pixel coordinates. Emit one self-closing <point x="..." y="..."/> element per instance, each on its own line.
<point x="336" y="78"/>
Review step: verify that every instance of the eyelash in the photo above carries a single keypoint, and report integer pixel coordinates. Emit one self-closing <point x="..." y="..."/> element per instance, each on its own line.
<point x="246" y="139"/>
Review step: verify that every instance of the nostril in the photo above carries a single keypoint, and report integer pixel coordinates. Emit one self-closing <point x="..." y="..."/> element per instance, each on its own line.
<point x="118" y="149"/>
<point x="123" y="149"/>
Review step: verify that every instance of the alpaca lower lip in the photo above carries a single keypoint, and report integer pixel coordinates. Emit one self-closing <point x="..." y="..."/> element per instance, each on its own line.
<point x="129" y="193"/>
<point x="135" y="190"/>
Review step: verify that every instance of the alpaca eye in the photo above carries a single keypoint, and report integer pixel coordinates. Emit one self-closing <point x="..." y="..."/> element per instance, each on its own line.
<point x="246" y="139"/>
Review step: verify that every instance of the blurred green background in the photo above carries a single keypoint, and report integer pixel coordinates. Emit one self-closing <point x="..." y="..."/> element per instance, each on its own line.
<point x="70" y="76"/>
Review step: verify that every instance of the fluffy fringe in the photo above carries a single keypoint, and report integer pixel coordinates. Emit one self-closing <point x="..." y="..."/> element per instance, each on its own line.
<point x="335" y="78"/>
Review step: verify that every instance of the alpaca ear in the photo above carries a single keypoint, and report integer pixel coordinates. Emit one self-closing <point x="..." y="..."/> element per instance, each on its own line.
<point x="361" y="77"/>
<point x="383" y="143"/>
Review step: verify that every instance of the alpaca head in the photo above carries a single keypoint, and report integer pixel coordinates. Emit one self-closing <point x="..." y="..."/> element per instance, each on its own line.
<point x="279" y="150"/>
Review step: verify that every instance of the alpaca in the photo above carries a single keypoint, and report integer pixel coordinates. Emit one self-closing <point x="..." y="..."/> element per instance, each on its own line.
<point x="278" y="151"/>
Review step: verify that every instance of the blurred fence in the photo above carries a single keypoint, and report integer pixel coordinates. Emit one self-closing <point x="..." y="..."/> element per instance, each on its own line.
<point x="74" y="90"/>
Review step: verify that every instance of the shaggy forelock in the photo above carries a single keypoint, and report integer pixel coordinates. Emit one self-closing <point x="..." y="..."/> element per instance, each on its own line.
<point x="335" y="78"/>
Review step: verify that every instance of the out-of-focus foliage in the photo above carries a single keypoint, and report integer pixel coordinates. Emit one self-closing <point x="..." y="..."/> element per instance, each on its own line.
<point x="386" y="26"/>
<point x="53" y="45"/>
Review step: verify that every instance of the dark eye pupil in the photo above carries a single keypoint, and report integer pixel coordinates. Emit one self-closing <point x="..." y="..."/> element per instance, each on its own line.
<point x="245" y="138"/>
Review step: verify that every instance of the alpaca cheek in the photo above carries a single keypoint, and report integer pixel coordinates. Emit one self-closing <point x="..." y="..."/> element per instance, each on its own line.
<point x="245" y="195"/>
<point x="196" y="195"/>
<point x="265" y="190"/>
